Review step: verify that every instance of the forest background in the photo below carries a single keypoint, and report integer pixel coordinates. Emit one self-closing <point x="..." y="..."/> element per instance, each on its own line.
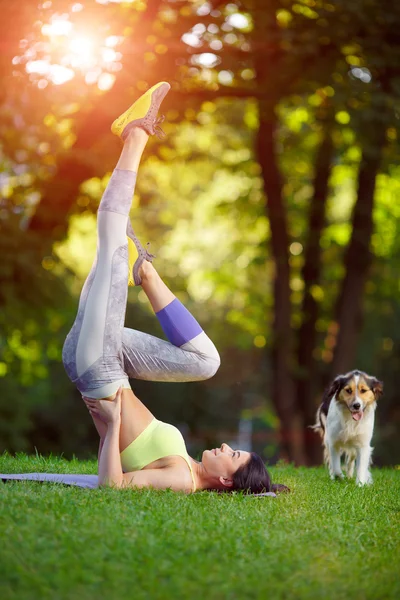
<point x="273" y="207"/>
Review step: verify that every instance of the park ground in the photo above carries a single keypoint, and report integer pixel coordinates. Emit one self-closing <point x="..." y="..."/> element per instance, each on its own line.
<point x="323" y="540"/>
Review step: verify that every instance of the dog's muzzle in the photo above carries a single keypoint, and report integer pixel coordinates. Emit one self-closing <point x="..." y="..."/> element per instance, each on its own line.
<point x="357" y="411"/>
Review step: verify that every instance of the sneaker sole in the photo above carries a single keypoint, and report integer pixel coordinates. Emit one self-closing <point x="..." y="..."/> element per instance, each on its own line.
<point x="139" y="108"/>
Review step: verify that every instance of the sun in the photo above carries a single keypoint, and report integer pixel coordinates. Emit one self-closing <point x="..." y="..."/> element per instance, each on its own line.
<point x="64" y="51"/>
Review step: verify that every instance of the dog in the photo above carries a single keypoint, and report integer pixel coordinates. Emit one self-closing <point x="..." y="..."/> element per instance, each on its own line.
<point x="345" y="421"/>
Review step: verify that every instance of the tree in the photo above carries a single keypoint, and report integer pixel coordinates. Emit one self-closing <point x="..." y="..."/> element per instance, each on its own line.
<point x="335" y="66"/>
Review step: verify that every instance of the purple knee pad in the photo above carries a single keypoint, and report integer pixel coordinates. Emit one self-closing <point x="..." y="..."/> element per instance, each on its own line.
<point x="178" y="324"/>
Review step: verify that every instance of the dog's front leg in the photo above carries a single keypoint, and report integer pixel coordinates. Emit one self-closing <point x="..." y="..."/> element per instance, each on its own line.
<point x="350" y="463"/>
<point x="334" y="463"/>
<point x="363" y="475"/>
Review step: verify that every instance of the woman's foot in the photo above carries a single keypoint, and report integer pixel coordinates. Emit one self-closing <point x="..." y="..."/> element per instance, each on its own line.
<point x="146" y="271"/>
<point x="154" y="287"/>
<point x="143" y="113"/>
<point x="137" y="256"/>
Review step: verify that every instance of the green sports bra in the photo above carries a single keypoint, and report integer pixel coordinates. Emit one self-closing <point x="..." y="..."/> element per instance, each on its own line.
<point x="157" y="441"/>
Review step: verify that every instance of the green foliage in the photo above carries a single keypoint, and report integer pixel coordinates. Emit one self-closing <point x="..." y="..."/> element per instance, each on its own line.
<point x="60" y="542"/>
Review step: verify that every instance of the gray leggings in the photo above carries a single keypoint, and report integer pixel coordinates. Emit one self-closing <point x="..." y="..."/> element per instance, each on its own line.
<point x="99" y="354"/>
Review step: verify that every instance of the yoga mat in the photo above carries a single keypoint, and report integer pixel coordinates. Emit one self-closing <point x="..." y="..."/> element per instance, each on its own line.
<point x="84" y="481"/>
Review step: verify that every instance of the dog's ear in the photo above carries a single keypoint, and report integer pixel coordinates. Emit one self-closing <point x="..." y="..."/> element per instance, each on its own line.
<point x="333" y="389"/>
<point x="377" y="387"/>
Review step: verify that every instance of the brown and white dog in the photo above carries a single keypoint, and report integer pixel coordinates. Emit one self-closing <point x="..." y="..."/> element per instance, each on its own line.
<point x="345" y="421"/>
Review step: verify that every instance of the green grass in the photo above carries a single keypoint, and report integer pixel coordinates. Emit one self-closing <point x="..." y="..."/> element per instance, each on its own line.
<point x="325" y="540"/>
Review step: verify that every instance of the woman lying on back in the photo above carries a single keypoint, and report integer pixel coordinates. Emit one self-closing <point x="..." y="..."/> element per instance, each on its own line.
<point x="99" y="354"/>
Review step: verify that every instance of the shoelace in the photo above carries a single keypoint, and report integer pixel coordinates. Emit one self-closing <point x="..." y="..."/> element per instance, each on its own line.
<point x="144" y="254"/>
<point x="149" y="256"/>
<point x="157" y="127"/>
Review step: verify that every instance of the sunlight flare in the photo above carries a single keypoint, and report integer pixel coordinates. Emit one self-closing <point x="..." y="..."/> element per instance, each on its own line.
<point x="68" y="51"/>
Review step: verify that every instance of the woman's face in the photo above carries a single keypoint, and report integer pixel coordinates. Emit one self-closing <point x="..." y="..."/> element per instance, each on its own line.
<point x="223" y="462"/>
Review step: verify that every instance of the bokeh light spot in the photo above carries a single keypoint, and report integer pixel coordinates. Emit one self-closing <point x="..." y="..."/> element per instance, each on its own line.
<point x="238" y="21"/>
<point x="342" y="117"/>
<point x="259" y="341"/>
<point x="106" y="81"/>
<point x="225" y="77"/>
<point x="216" y="45"/>
<point x="296" y="248"/>
<point x="57" y="27"/>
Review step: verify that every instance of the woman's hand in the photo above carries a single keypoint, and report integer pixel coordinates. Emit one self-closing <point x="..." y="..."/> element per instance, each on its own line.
<point x="108" y="411"/>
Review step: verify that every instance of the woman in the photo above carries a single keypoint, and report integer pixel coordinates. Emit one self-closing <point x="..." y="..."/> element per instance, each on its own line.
<point x="99" y="354"/>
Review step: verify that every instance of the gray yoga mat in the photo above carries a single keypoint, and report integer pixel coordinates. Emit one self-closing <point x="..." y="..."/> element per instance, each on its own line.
<point x="84" y="481"/>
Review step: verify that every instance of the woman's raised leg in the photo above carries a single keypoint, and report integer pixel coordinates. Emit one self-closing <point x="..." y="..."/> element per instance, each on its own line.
<point x="92" y="353"/>
<point x="189" y="355"/>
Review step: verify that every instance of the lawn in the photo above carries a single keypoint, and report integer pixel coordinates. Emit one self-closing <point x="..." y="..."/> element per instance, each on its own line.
<point x="324" y="540"/>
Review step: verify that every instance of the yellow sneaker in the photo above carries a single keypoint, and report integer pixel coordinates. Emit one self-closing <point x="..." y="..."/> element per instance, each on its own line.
<point x="136" y="255"/>
<point x="143" y="113"/>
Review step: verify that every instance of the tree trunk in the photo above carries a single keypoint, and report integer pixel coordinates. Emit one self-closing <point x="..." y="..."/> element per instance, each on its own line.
<point x="59" y="196"/>
<point x="282" y="382"/>
<point x="357" y="259"/>
<point x="269" y="74"/>
<point x="307" y="366"/>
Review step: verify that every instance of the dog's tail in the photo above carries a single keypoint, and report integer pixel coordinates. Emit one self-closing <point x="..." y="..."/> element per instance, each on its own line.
<point x="320" y="423"/>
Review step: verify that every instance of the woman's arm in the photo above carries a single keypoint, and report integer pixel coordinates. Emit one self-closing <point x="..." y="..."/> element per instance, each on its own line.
<point x="110" y="470"/>
<point x="175" y="477"/>
<point x="100" y="449"/>
<point x="111" y="474"/>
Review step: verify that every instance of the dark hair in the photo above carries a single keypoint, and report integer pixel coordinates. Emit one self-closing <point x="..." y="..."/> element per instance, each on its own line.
<point x="254" y="478"/>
